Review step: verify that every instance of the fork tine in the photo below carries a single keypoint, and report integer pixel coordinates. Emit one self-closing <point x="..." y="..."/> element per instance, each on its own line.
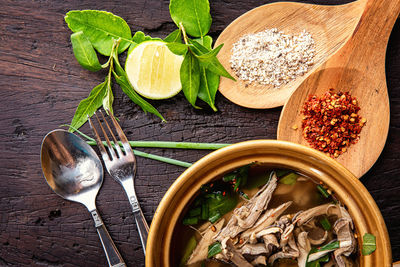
<point x="100" y="145"/>
<point x="109" y="145"/>
<point x="122" y="137"/>
<point x="117" y="147"/>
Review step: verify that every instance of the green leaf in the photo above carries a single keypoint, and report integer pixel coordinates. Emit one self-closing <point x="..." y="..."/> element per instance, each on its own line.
<point x="258" y="180"/>
<point x="191" y="245"/>
<point x="108" y="98"/>
<point x="209" y="83"/>
<point x="131" y="93"/>
<point x="140" y="37"/>
<point x="316" y="263"/>
<point x="123" y="81"/>
<point x="88" y="106"/>
<point x="323" y="191"/>
<point x="214" y="249"/>
<point x="329" y="246"/>
<point x="190" y="220"/>
<point x="190" y="78"/>
<point x="194" y="15"/>
<point x="325" y="223"/>
<point x="174" y="37"/>
<point x="289" y="179"/>
<point x="197" y="47"/>
<point x="100" y="27"/>
<point x="281" y="172"/>
<point x="84" y="52"/>
<point x="369" y="244"/>
<point x="177" y="48"/>
<point x="211" y="62"/>
<point x="223" y="204"/>
<point x="206" y="41"/>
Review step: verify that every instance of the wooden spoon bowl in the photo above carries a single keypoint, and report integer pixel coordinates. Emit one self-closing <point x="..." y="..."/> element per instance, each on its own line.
<point x="330" y="27"/>
<point x="358" y="68"/>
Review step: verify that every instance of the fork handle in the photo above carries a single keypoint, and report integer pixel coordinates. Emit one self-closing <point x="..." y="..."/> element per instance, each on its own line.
<point x="141" y="222"/>
<point x="113" y="257"/>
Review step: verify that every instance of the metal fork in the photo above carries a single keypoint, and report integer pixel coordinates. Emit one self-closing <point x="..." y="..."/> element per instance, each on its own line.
<point x="121" y="165"/>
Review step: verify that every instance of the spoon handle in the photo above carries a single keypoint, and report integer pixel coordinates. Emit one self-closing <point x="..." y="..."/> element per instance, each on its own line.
<point x="113" y="257"/>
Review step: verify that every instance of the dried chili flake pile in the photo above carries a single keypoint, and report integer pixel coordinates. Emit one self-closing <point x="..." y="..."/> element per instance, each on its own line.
<point x="331" y="122"/>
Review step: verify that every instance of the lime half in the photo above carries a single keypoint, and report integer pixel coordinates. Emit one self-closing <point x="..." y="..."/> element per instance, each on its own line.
<point x="153" y="70"/>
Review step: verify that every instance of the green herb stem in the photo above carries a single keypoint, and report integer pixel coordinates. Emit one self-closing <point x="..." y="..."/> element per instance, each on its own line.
<point x="185" y="38"/>
<point x="162" y="159"/>
<point x="166" y="144"/>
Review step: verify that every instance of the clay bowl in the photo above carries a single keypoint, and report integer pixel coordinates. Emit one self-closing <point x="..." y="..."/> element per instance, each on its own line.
<point x="348" y="189"/>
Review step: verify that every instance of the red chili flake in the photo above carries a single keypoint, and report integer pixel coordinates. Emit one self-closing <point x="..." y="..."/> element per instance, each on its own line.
<point x="331" y="122"/>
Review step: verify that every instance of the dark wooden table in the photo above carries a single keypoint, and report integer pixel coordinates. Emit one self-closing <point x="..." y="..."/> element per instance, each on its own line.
<point x="41" y="84"/>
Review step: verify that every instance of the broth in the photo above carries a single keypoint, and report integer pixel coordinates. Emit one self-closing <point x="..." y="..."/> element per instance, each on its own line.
<point x="303" y="192"/>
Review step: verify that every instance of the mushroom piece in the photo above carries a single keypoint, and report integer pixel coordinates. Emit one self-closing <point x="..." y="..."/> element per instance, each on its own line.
<point x="316" y="255"/>
<point x="270" y="230"/>
<point x="287" y="234"/>
<point x="255" y="249"/>
<point x="270" y="241"/>
<point x="291" y="251"/>
<point x="316" y="235"/>
<point x="231" y="254"/>
<point x="245" y="216"/>
<point x="249" y="213"/>
<point x="201" y="251"/>
<point x="341" y="212"/>
<point x="267" y="219"/>
<point x="346" y="240"/>
<point x="260" y="260"/>
<point x="307" y="215"/>
<point x="304" y="248"/>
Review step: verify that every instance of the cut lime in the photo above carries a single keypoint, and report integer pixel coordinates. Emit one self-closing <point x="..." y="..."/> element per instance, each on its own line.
<point x="153" y="70"/>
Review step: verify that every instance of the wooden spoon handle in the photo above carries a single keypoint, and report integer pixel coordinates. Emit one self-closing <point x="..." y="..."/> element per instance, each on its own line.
<point x="376" y="23"/>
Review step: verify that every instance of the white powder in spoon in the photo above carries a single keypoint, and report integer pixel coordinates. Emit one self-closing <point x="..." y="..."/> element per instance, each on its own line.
<point x="272" y="57"/>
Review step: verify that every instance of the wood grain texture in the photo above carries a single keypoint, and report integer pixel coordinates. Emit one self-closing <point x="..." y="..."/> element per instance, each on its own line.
<point x="41" y="85"/>
<point x="329" y="26"/>
<point x="358" y="68"/>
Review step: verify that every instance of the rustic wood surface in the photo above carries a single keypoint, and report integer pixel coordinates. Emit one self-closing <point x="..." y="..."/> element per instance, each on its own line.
<point x="41" y="84"/>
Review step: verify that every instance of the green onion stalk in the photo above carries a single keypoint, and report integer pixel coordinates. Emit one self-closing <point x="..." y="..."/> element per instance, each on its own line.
<point x="159" y="144"/>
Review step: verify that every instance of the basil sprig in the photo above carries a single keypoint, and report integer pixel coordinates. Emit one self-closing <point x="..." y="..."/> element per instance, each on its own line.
<point x="109" y="35"/>
<point x="201" y="70"/>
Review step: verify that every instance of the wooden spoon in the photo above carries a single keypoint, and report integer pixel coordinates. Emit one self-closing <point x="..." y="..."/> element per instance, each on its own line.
<point x="330" y="27"/>
<point x="358" y="67"/>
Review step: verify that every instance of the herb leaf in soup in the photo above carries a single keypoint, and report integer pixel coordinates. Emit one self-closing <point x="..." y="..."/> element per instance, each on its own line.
<point x="317" y="263"/>
<point x="191" y="245"/>
<point x="211" y="206"/>
<point x="214" y="249"/>
<point x="289" y="179"/>
<point x="369" y="244"/>
<point x="325" y="223"/>
<point x="323" y="191"/>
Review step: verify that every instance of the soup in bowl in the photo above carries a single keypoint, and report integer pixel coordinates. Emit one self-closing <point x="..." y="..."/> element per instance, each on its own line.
<point x="267" y="202"/>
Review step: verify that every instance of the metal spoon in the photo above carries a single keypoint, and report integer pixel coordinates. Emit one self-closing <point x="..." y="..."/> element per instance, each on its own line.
<point x="74" y="171"/>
